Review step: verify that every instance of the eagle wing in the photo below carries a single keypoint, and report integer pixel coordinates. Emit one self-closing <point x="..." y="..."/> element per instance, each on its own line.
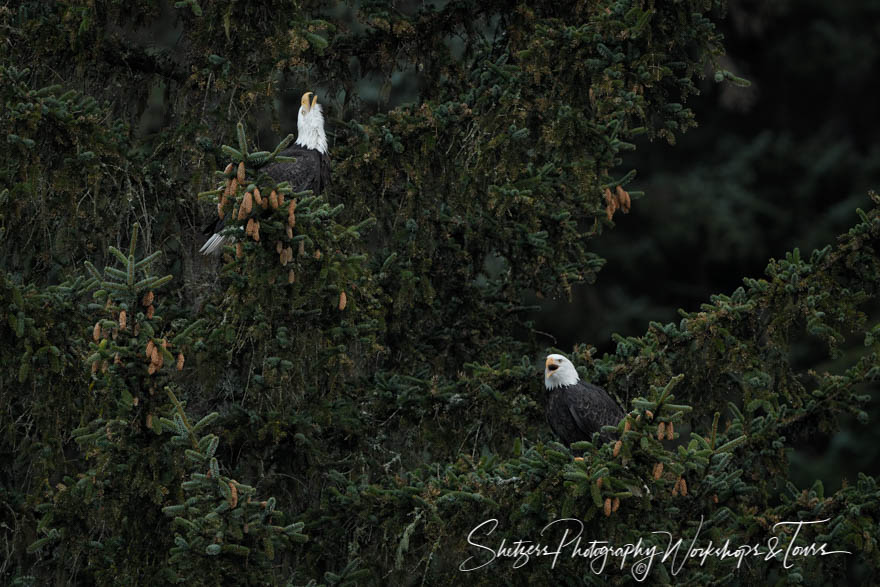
<point x="310" y="170"/>
<point x="591" y="408"/>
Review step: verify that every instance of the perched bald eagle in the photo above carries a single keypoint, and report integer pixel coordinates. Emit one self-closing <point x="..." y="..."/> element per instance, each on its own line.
<point x="576" y="409"/>
<point x="309" y="171"/>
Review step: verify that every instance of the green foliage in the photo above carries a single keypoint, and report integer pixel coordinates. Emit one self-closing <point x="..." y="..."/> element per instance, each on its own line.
<point x="365" y="357"/>
<point x="220" y="524"/>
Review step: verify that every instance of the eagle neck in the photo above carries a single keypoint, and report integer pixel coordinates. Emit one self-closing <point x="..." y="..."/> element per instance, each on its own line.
<point x="310" y="131"/>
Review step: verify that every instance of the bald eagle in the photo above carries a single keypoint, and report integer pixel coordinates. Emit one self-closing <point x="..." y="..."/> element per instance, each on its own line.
<point x="576" y="409"/>
<point x="309" y="171"/>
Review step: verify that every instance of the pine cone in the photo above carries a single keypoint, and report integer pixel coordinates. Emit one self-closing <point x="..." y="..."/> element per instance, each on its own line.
<point x="607" y="506"/>
<point x="122" y="320"/>
<point x="96" y="331"/>
<point x="617" y="446"/>
<point x="233" y="499"/>
<point x="623" y="199"/>
<point x="248" y="203"/>
<point x="615" y="504"/>
<point x="343" y="300"/>
<point x="670" y="431"/>
<point x="147" y="299"/>
<point x="240" y="176"/>
<point x="661" y="430"/>
<point x="610" y="204"/>
<point x="658" y="471"/>
<point x="291" y="276"/>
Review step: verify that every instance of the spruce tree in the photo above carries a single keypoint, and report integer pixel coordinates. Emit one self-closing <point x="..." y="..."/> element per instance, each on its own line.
<point x="355" y="387"/>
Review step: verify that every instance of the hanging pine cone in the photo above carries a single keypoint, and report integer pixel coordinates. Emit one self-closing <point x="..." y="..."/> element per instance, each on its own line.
<point x="233" y="495"/>
<point x="610" y="204"/>
<point x="658" y="471"/>
<point x="623" y="199"/>
<point x="248" y="203"/>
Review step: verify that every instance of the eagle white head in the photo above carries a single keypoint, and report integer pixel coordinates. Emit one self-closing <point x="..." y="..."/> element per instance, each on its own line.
<point x="310" y="124"/>
<point x="559" y="372"/>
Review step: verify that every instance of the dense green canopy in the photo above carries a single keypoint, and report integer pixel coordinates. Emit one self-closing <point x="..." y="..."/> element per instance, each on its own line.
<point x="354" y="389"/>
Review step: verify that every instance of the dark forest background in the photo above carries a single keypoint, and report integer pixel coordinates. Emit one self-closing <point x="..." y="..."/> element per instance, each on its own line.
<point x="342" y="401"/>
<point x="774" y="166"/>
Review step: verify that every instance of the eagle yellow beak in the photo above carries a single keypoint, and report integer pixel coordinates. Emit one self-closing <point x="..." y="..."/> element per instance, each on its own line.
<point x="308" y="101"/>
<point x="550" y="365"/>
